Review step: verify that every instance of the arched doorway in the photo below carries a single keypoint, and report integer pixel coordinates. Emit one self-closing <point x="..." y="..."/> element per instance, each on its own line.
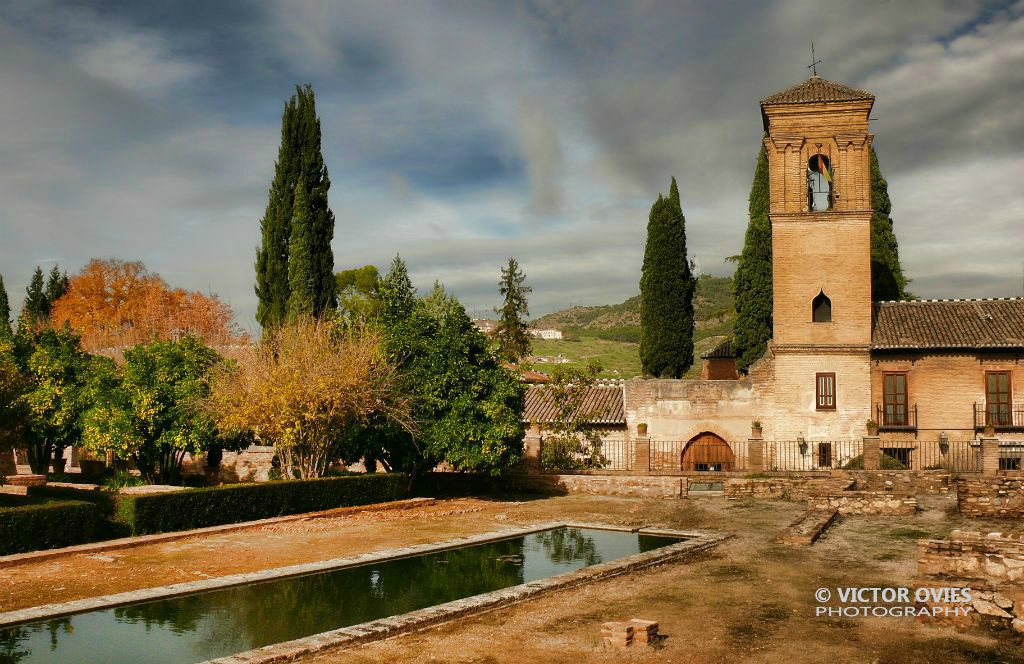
<point x="707" y="452"/>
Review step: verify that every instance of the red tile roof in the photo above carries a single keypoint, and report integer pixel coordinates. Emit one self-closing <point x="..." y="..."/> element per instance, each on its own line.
<point x="815" y="90"/>
<point x="949" y="324"/>
<point x="603" y="404"/>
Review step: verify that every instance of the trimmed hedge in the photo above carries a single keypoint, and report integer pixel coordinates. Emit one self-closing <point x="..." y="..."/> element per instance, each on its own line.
<point x="235" y="503"/>
<point x="46" y="525"/>
<point x="442" y="485"/>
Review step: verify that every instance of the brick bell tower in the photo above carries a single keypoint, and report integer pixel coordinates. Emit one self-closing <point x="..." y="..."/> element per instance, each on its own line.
<point x="816" y="136"/>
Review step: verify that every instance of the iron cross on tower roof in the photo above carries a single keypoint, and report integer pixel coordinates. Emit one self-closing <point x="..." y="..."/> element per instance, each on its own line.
<point x="814" y="62"/>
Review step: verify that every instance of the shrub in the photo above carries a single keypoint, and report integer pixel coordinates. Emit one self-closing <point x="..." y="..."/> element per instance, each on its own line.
<point x="887" y="463"/>
<point x="120" y="479"/>
<point x="235" y="503"/>
<point x="46" y="525"/>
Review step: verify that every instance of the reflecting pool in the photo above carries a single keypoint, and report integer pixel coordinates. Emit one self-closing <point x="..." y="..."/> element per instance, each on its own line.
<point x="193" y="628"/>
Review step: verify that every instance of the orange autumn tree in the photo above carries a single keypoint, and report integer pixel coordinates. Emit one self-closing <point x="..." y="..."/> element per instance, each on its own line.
<point x="116" y="304"/>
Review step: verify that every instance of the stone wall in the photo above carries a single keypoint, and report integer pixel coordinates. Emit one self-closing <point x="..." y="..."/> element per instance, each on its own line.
<point x="991" y="560"/>
<point x="783" y="488"/>
<point x="902" y="482"/>
<point x="678" y="410"/>
<point x="999" y="496"/>
<point x="876" y="503"/>
<point x="640" y="486"/>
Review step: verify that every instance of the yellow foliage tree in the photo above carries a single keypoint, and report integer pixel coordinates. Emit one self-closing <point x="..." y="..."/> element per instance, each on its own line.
<point x="303" y="388"/>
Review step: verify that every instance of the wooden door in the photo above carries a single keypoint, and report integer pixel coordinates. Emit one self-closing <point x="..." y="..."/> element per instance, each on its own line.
<point x="707" y="452"/>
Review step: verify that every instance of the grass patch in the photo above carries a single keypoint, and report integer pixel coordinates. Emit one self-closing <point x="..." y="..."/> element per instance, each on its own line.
<point x="908" y="533"/>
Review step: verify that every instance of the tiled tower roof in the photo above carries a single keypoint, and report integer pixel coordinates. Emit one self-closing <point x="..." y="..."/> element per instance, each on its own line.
<point x="816" y="90"/>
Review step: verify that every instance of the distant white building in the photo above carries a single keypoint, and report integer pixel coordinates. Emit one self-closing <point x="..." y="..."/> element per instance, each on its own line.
<point x="546" y="334"/>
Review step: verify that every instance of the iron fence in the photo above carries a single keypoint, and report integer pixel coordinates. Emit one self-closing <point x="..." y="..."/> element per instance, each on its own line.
<point x="570" y="455"/>
<point x="1011" y="455"/>
<point x="961" y="456"/>
<point x="811" y="455"/>
<point x="1000" y="416"/>
<point x="618" y="454"/>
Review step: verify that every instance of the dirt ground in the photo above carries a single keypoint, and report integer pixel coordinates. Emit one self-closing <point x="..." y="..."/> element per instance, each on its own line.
<point x="748" y="600"/>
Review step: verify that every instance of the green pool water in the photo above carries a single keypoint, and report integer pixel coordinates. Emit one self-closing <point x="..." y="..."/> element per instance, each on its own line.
<point x="193" y="628"/>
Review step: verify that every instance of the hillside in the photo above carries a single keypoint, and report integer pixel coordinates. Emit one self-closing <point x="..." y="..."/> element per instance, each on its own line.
<point x="621" y="322"/>
<point x="610" y="333"/>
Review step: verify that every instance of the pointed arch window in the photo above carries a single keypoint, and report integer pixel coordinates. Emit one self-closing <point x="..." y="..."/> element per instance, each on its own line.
<point x="819" y="183"/>
<point x="821" y="308"/>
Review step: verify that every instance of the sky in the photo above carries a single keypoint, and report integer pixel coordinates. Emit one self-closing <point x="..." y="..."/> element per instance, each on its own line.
<point x="460" y="134"/>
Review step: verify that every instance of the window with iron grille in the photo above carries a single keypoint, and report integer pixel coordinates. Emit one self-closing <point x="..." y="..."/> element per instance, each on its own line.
<point x="895" y="414"/>
<point x="997" y="397"/>
<point x="825" y="391"/>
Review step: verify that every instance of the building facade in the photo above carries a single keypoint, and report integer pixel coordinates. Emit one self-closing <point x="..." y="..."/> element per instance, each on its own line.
<point x="929" y="373"/>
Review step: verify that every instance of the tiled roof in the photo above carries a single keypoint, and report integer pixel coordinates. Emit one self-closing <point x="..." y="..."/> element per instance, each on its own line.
<point x="603" y="404"/>
<point x="814" y="90"/>
<point x="949" y="324"/>
<point x="722" y="350"/>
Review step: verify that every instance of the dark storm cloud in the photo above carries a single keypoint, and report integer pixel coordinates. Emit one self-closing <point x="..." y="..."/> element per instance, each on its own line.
<point x="462" y="133"/>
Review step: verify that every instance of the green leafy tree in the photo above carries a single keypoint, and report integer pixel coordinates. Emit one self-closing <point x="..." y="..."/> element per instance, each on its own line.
<point x="299" y="159"/>
<point x="13" y="385"/>
<point x="511" y="333"/>
<point x="36" y="308"/>
<point x="753" y="280"/>
<point x="358" y="291"/>
<point x="5" y="311"/>
<point x="153" y="411"/>
<point x="55" y="370"/>
<point x="466" y="406"/>
<point x="667" y="285"/>
<point x="572" y="443"/>
<point x="887" y="279"/>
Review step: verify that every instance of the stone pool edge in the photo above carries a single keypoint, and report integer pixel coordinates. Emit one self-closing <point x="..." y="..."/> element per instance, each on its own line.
<point x="59" y="610"/>
<point x="696" y="541"/>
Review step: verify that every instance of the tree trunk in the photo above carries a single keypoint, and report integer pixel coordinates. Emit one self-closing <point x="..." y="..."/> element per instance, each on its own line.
<point x="39" y="456"/>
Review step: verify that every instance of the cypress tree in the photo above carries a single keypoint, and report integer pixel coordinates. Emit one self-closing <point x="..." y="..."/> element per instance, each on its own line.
<point x="752" y="285"/>
<point x="511" y="333"/>
<point x="887" y="279"/>
<point x="666" y="292"/>
<point x="299" y="156"/>
<point x="397" y="295"/>
<point x="56" y="286"/>
<point x="36" y="308"/>
<point x="5" y="311"/>
<point x="301" y="272"/>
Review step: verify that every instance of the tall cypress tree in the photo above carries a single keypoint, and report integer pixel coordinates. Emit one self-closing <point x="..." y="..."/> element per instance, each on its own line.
<point x="36" y="308"/>
<point x="5" y="311"/>
<point x="887" y="279"/>
<point x="511" y="332"/>
<point x="301" y="272"/>
<point x="666" y="292"/>
<point x="299" y="156"/>
<point x="752" y="284"/>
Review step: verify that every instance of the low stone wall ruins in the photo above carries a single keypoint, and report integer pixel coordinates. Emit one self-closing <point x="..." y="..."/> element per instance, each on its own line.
<point x="640" y="486"/>
<point x="991" y="565"/>
<point x="783" y="488"/>
<point x="1000" y="496"/>
<point x="875" y="503"/>
<point x="991" y="560"/>
<point x="903" y="482"/>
